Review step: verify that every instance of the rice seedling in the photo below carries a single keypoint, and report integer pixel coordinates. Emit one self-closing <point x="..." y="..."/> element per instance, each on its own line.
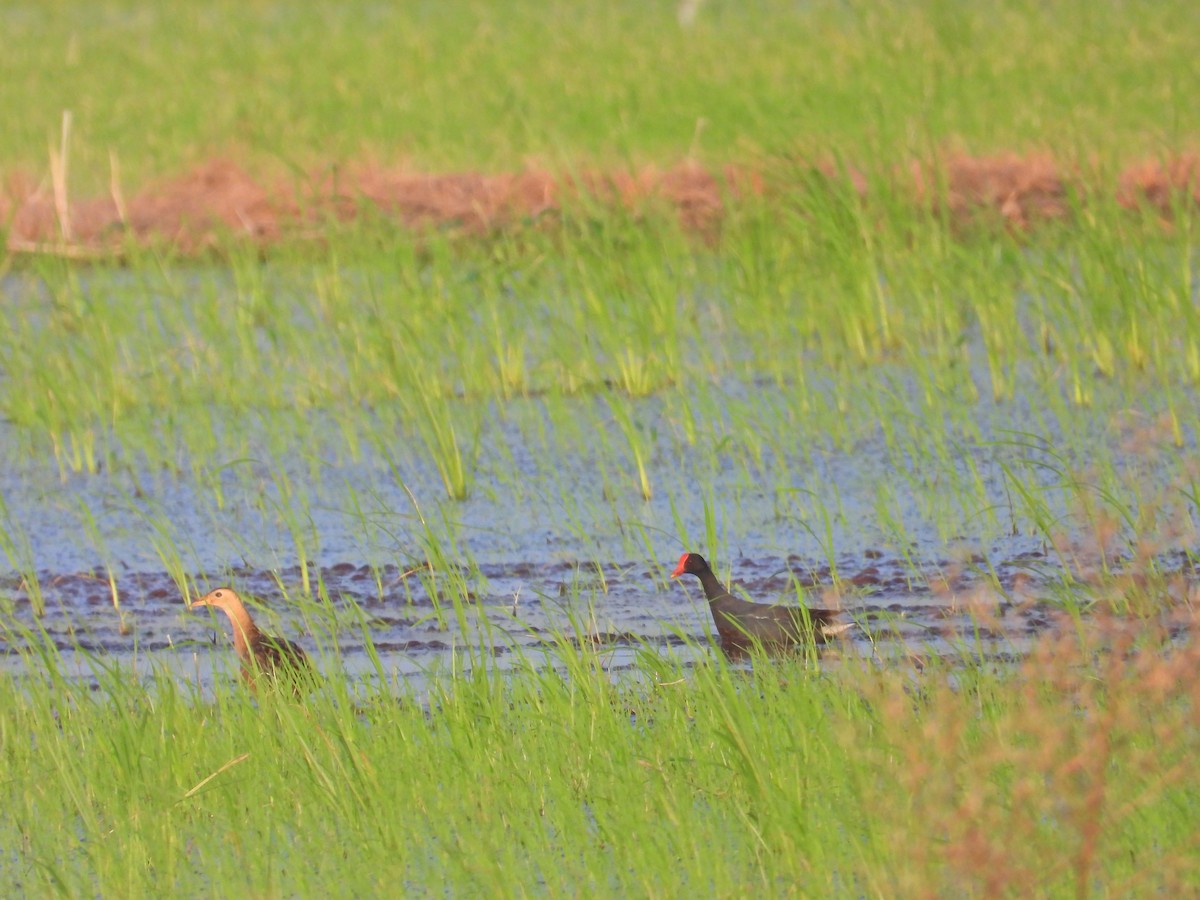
<point x="633" y="434"/>
<point x="18" y="550"/>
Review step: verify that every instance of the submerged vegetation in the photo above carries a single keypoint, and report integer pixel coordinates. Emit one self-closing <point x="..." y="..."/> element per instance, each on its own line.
<point x="835" y="370"/>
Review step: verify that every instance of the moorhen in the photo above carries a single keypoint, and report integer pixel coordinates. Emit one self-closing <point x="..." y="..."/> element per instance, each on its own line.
<point x="274" y="659"/>
<point x="741" y="623"/>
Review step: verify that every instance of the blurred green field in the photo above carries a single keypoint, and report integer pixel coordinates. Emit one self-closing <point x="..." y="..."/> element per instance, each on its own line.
<point x="491" y="86"/>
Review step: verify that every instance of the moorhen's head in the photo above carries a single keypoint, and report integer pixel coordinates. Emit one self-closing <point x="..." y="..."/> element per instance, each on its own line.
<point x="221" y="598"/>
<point x="690" y="564"/>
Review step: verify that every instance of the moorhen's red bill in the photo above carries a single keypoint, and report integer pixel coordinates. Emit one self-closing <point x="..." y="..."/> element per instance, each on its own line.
<point x="741" y="623"/>
<point x="272" y="659"/>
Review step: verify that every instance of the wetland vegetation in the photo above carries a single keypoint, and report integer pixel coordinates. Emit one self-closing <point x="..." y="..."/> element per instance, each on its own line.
<point x="457" y="461"/>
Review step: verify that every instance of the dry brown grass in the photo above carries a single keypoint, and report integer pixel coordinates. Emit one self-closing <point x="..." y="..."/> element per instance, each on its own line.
<point x="1031" y="791"/>
<point x="218" y="198"/>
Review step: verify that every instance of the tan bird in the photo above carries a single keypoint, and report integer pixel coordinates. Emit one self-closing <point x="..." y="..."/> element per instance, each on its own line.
<point x="272" y="659"/>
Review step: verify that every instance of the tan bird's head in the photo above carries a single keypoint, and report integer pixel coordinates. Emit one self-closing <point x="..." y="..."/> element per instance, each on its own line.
<point x="222" y="598"/>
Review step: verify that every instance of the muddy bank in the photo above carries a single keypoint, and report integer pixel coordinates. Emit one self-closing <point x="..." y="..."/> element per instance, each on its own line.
<point x="218" y="200"/>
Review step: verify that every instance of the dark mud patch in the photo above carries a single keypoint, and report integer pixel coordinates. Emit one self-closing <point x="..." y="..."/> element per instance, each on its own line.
<point x="219" y="200"/>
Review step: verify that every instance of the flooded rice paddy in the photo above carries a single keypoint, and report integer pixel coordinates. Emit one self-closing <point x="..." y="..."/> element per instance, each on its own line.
<point x="969" y="522"/>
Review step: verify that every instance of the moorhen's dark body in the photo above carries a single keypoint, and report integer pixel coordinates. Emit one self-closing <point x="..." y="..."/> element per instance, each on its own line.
<point x="741" y="623"/>
<point x="273" y="659"/>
